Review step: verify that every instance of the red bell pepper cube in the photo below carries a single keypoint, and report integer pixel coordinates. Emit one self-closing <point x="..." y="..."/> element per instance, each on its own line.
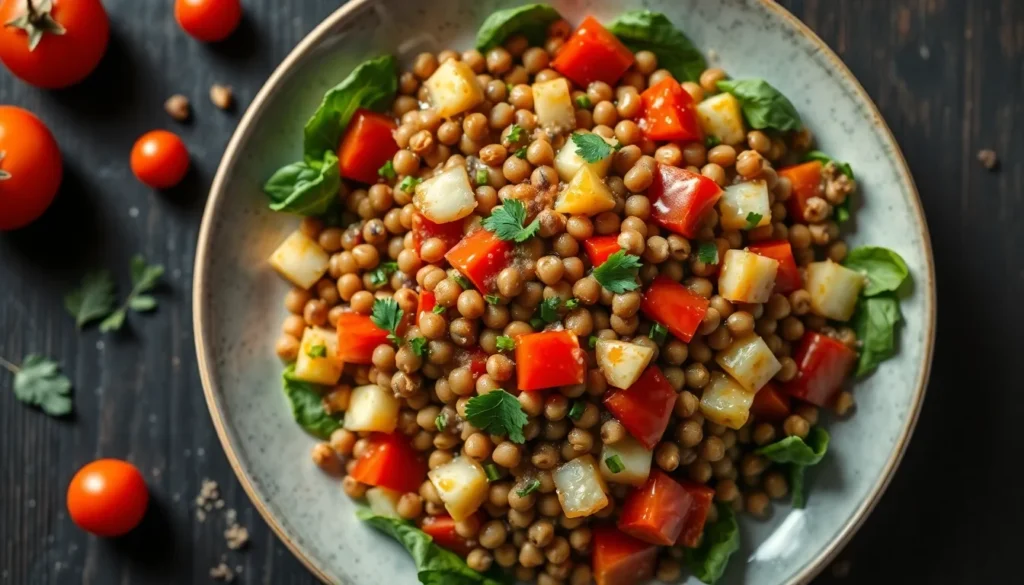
<point x="674" y="306"/>
<point x="620" y="559"/>
<point x="442" y="529"/>
<point x="681" y="199"/>
<point x="391" y="462"/>
<point x="426" y="304"/>
<point x="787" y="279"/>
<point x="656" y="511"/>
<point x="592" y="53"/>
<point x="358" y="337"/>
<point x="480" y="256"/>
<point x="770" y="404"/>
<point x="701" y="497"/>
<point x="822" y="364"/>
<point x="367" y="145"/>
<point x="645" y="407"/>
<point x="423" y="229"/>
<point x="668" y="113"/>
<point x="476" y="359"/>
<point x="806" y="182"/>
<point x="549" y="359"/>
<point x="599" y="248"/>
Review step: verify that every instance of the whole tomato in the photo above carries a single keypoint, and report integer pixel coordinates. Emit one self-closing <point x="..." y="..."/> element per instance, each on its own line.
<point x="159" y="159"/>
<point x="30" y="168"/>
<point x="53" y="43"/>
<point x="208" y="20"/>
<point x="107" y="497"/>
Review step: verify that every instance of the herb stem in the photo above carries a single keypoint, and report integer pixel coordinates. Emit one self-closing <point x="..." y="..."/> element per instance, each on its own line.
<point x="13" y="368"/>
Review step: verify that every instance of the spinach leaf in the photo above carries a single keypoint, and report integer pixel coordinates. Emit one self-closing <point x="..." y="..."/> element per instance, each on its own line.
<point x="530" y="20"/>
<point x="371" y="85"/>
<point x="800" y="455"/>
<point x="707" y="562"/>
<point x="304" y="188"/>
<point x="875" y="323"/>
<point x="763" y="105"/>
<point x="885" y="269"/>
<point x="643" y="30"/>
<point x="434" y="565"/>
<point x="842" y="211"/>
<point x="307" y="407"/>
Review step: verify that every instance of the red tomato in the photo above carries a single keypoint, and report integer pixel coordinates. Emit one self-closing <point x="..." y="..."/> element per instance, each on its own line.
<point x="701" y="497"/>
<point x="669" y="113"/>
<point x="822" y="365"/>
<point x="423" y="229"/>
<point x="645" y="407"/>
<point x="599" y="248"/>
<point x="620" y="559"/>
<point x="58" y="60"/>
<point x="656" y="511"/>
<point x="549" y="359"/>
<point x="674" y="306"/>
<point x="159" y="159"/>
<point x="442" y="529"/>
<point x="392" y="463"/>
<point x="107" y="497"/>
<point x="806" y="182"/>
<point x="480" y="256"/>
<point x="787" y="279"/>
<point x="367" y="145"/>
<point x="770" y="404"/>
<point x="680" y="199"/>
<point x="208" y="20"/>
<point x="31" y="168"/>
<point x="357" y="338"/>
<point x="592" y="53"/>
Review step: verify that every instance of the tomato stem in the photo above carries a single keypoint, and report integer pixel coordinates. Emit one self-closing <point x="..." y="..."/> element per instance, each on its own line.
<point x="14" y="369"/>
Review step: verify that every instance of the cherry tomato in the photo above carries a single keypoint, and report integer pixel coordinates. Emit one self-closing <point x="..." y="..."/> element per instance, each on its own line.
<point x="30" y="168"/>
<point x="58" y="60"/>
<point x="208" y="20"/>
<point x="107" y="497"/>
<point x="160" y="159"/>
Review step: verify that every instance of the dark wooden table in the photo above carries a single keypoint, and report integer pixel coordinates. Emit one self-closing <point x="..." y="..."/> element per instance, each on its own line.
<point x="948" y="75"/>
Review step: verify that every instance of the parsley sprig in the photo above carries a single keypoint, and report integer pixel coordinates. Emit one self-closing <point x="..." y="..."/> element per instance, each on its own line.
<point x="497" y="413"/>
<point x="387" y="315"/>
<point x="591" y="147"/>
<point x="618" y="272"/>
<point x="506" y="222"/>
<point x="95" y="298"/>
<point x="547" y="312"/>
<point x="380" y="275"/>
<point x="38" y="381"/>
<point x="753" y="219"/>
<point x="708" y="253"/>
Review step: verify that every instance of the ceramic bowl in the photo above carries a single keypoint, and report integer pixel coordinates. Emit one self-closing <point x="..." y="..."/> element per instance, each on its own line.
<point x="238" y="298"/>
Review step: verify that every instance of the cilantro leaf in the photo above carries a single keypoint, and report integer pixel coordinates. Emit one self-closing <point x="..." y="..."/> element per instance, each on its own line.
<point x="592" y="341"/>
<point x="492" y="299"/>
<point x="114" y="321"/>
<point x="418" y="345"/>
<point x="506" y="343"/>
<point x="658" y="333"/>
<point x="387" y="315"/>
<point x="591" y="147"/>
<point x="381" y="274"/>
<point x="94" y="299"/>
<point x="387" y="171"/>
<point x="317" y="351"/>
<point x="708" y="253"/>
<point x="583" y="102"/>
<point x="438" y="310"/>
<point x="144" y="276"/>
<point x="547" y="311"/>
<point x="515" y="133"/>
<point x="521" y="153"/>
<point x="753" y="219"/>
<point x="409" y="183"/>
<point x="618" y="272"/>
<point x="441" y="422"/>
<point x="497" y="413"/>
<point x="39" y="382"/>
<point x="506" y="222"/>
<point x="482" y="176"/>
<point x="711" y="141"/>
<point x="572" y="303"/>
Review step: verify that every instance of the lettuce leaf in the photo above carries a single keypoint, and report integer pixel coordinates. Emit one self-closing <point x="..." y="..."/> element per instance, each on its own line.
<point x="644" y="30"/>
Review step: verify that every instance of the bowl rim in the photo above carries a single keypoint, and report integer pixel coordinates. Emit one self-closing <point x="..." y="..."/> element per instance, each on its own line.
<point x="349" y="9"/>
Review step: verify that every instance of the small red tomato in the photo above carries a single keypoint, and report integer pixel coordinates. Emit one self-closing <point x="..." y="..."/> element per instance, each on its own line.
<point x="208" y="20"/>
<point x="107" y="497"/>
<point x="30" y="168"/>
<point x="48" y="59"/>
<point x="160" y="159"/>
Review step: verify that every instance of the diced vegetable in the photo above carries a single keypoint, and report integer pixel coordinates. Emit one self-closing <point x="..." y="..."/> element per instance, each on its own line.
<point x="645" y="407"/>
<point x="446" y="197"/>
<point x="669" y="113"/>
<point x="725" y="401"/>
<point x="770" y="404"/>
<point x="553" y="105"/>
<point x="620" y="559"/>
<point x="834" y="289"/>
<point x="367" y="145"/>
<point x="390" y="462"/>
<point x="701" y="497"/>
<point x="622" y="362"/>
<point x="747" y="277"/>
<point x="549" y="359"/>
<point x="442" y="529"/>
<point x="681" y="199"/>
<point x="581" y="489"/>
<point x="383" y="502"/>
<point x="656" y="511"/>
<point x="300" y="259"/>
<point x="806" y="182"/>
<point x="749" y="361"/>
<point x="787" y="279"/>
<point x="674" y="306"/>
<point x="357" y="338"/>
<point x="423" y="229"/>
<point x="635" y="460"/>
<point x="586" y="194"/>
<point x="318" y="357"/>
<point x="426" y="304"/>
<point x="745" y="206"/>
<point x="569" y="162"/>
<point x="372" y="408"/>
<point x="823" y="363"/>
<point x="480" y="256"/>
<point x="462" y="486"/>
<point x="721" y="116"/>
<point x="454" y="88"/>
<point x="592" y="53"/>
<point x="599" y="248"/>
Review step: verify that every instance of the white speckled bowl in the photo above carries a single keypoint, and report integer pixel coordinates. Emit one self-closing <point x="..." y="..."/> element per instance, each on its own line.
<point x="238" y="298"/>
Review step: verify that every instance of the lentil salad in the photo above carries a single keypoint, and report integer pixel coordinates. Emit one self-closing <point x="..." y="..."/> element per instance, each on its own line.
<point x="567" y="301"/>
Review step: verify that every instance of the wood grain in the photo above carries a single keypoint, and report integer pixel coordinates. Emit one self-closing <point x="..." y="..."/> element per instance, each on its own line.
<point x="948" y="76"/>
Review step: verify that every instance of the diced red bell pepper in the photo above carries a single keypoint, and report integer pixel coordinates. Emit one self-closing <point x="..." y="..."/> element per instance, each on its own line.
<point x="822" y="365"/>
<point x="592" y="53"/>
<point x="358" y="337"/>
<point x="645" y="407"/>
<point x="599" y="248"/>
<point x="656" y="511"/>
<point x="669" y="113"/>
<point x="674" y="306"/>
<point x="787" y="279"/>
<point x="770" y="404"/>
<point x="426" y="305"/>
<point x="620" y="559"/>
<point x="367" y="145"/>
<point x="806" y="182"/>
<point x="701" y="497"/>
<point x="423" y="229"/>
<point x="681" y="199"/>
<point x="391" y="462"/>
<point x="549" y="359"/>
<point x="480" y="256"/>
<point x="476" y="359"/>
<point x="442" y="529"/>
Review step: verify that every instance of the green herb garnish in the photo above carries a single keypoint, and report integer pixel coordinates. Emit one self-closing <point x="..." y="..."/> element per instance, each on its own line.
<point x="492" y="472"/>
<point x="753" y="219"/>
<point x="515" y="134"/>
<point x="547" y="311"/>
<point x="38" y="381"/>
<point x="583" y="102"/>
<point x="708" y="253"/>
<point x="492" y="299"/>
<point x="659" y="333"/>
<point x="460" y="279"/>
<point x="438" y="310"/>
<point x="572" y="303"/>
<point x="711" y="141"/>
<point x="618" y="272"/>
<point x="497" y="413"/>
<point x="441" y="422"/>
<point x="591" y="147"/>
<point x="317" y="351"/>
<point x="387" y="315"/>
<point x="577" y="410"/>
<point x="505" y="343"/>
<point x="506" y="222"/>
<point x="531" y="486"/>
<point x="418" y="345"/>
<point x="380" y="275"/>
<point x="592" y="341"/>
<point x="482" y="176"/>
<point x="614" y="464"/>
<point x="409" y="183"/>
<point x="387" y="171"/>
